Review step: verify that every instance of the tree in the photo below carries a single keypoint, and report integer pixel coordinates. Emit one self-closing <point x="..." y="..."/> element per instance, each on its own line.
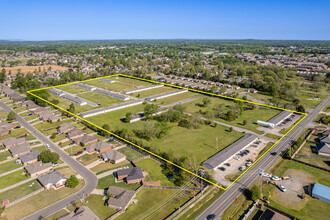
<point x="230" y="129"/>
<point x="128" y="117"/>
<point x="150" y="109"/>
<point x="53" y="136"/>
<point x="72" y="182"/>
<point x="255" y="193"/>
<point x="244" y="122"/>
<point x="206" y="102"/>
<point x="55" y="101"/>
<point x="48" y="156"/>
<point x="105" y="127"/>
<point x="11" y="116"/>
<point x="301" y="108"/>
<point x="72" y="108"/>
<point x="2" y="75"/>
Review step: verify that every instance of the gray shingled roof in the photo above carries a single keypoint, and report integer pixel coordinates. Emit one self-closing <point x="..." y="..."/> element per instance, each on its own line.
<point x="51" y="178"/>
<point x="85" y="139"/>
<point x="29" y="156"/>
<point x="12" y="141"/>
<point x="75" y="132"/>
<point x="323" y="148"/>
<point x="19" y="149"/>
<point x="122" y="196"/>
<point x="83" y="213"/>
<point x="99" y="146"/>
<point x="65" y="127"/>
<point x="36" y="167"/>
<point x="133" y="173"/>
<point x="229" y="151"/>
<point x="113" y="155"/>
<point x="279" y="117"/>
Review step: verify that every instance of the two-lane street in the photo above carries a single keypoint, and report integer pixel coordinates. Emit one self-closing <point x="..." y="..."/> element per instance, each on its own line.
<point x="224" y="201"/>
<point x="89" y="177"/>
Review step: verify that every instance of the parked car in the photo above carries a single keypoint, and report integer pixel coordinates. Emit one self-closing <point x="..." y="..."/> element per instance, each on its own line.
<point x="248" y="164"/>
<point x="222" y="168"/>
<point x="267" y="175"/>
<point x="78" y="153"/>
<point x="282" y="188"/>
<point x="47" y="145"/>
<point x="210" y="217"/>
<point x="55" y="164"/>
<point x="237" y="158"/>
<point x="273" y="153"/>
<point x="227" y="164"/>
<point x="275" y="178"/>
<point x="242" y="168"/>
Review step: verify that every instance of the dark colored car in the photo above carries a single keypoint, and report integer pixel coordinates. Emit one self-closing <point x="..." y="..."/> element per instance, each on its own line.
<point x="211" y="217"/>
<point x="222" y="168"/>
<point x="273" y="153"/>
<point x="78" y="153"/>
<point x="227" y="164"/>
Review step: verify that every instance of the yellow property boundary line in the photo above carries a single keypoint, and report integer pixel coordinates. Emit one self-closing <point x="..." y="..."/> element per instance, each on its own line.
<point x="149" y="152"/>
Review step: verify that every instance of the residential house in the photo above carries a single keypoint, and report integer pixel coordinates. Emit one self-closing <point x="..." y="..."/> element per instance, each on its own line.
<point x="20" y="149"/>
<point x="64" y="128"/>
<point x="75" y="133"/>
<point x="113" y="155"/>
<point x="12" y="141"/>
<point x="83" y="213"/>
<point x="38" y="110"/>
<point x="130" y="175"/>
<point x="54" y="118"/>
<point x="16" y="98"/>
<point x="100" y="146"/>
<point x="29" y="158"/>
<point x="38" y="168"/>
<point x="251" y="90"/>
<point x="52" y="180"/>
<point x="45" y="115"/>
<point x="85" y="140"/>
<point x="121" y="197"/>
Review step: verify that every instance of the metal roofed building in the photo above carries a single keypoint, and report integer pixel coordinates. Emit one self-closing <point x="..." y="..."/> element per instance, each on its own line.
<point x="222" y="156"/>
<point x="321" y="192"/>
<point x="85" y="86"/>
<point x="143" y="88"/>
<point x="166" y="94"/>
<point x="111" y="108"/>
<point x="277" y="119"/>
<point x="107" y="80"/>
<point x="72" y="98"/>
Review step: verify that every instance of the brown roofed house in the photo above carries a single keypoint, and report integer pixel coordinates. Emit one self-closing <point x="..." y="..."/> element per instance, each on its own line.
<point x="38" y="168"/>
<point x="121" y="197"/>
<point x="131" y="175"/>
<point x="20" y="149"/>
<point x="100" y="146"/>
<point x="64" y="128"/>
<point x="113" y="155"/>
<point x="75" y="133"/>
<point x="11" y="141"/>
<point x="85" y="140"/>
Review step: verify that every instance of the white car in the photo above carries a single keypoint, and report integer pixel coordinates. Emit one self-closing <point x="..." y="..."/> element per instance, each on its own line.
<point x="248" y="164"/>
<point x="267" y="175"/>
<point x="237" y="158"/>
<point x="282" y="188"/>
<point x="55" y="164"/>
<point x="242" y="168"/>
<point x="47" y="145"/>
<point x="275" y="178"/>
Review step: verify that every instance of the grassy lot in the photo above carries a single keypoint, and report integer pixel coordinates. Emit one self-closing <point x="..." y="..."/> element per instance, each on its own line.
<point x="136" y="82"/>
<point x="74" y="149"/>
<point x="117" y="86"/>
<point x="39" y="201"/>
<point x="150" y="199"/>
<point x="130" y="153"/>
<point x="40" y="149"/>
<point x="4" y="155"/>
<point x="324" y="163"/>
<point x="57" y="215"/>
<point x="237" y="208"/>
<point x="151" y="92"/>
<point x="95" y="203"/>
<point x="107" y="181"/>
<point x="261" y="96"/>
<point x="66" y="171"/>
<point x="310" y="100"/>
<point x="177" y="98"/>
<point x="8" y="166"/>
<point x="48" y="128"/>
<point x="88" y="158"/>
<point x="309" y="208"/>
<point x="11" y="179"/>
<point x="72" y="89"/>
<point x="20" y="191"/>
<point x="154" y="170"/>
<point x="103" y="167"/>
<point x="272" y="136"/>
<point x="104" y="100"/>
<point x="16" y="133"/>
<point x="199" y="207"/>
<point x="59" y="137"/>
<point x="31" y="117"/>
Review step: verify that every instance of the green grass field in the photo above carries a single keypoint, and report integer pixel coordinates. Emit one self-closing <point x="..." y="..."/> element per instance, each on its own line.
<point x="8" y="166"/>
<point x="20" y="191"/>
<point x="11" y="179"/>
<point x="154" y="171"/>
<point x="74" y="149"/>
<point x="151" y="199"/>
<point x="95" y="203"/>
<point x="103" y="167"/>
<point x="72" y="89"/>
<point x="4" y="155"/>
<point x="177" y="98"/>
<point x="116" y="86"/>
<point x="16" y="133"/>
<point x="107" y="181"/>
<point x="130" y="153"/>
<point x="104" y="100"/>
<point x="151" y="92"/>
<point x="88" y="158"/>
<point x="131" y="81"/>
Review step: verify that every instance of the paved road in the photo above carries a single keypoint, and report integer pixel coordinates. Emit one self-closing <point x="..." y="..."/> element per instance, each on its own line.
<point x="224" y="201"/>
<point x="90" y="178"/>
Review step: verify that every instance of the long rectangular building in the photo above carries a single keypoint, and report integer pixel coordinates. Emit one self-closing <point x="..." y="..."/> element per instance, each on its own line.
<point x="107" y="80"/>
<point x="72" y="98"/>
<point x="166" y="94"/>
<point x="143" y="88"/>
<point x="111" y="108"/>
<point x="85" y="86"/>
<point x="221" y="157"/>
<point x="277" y="119"/>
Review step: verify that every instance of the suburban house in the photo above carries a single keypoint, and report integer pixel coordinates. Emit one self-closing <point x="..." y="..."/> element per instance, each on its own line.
<point x="45" y="115"/>
<point x="20" y="149"/>
<point x="323" y="148"/>
<point x="130" y="175"/>
<point x="29" y="158"/>
<point x="53" y="118"/>
<point x="227" y="153"/>
<point x="75" y="133"/>
<point x="30" y="105"/>
<point x="52" y="180"/>
<point x="37" y="111"/>
<point x="100" y="146"/>
<point x="85" y="140"/>
<point x="11" y="141"/>
<point x="38" y="168"/>
<point x="121" y="197"/>
<point x="64" y="128"/>
<point x="16" y="98"/>
<point x="5" y="128"/>
<point x="83" y="213"/>
<point x="113" y="155"/>
<point x="269" y="214"/>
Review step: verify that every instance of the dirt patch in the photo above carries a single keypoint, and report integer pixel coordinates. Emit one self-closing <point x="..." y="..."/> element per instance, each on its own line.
<point x="154" y="183"/>
<point x="294" y="188"/>
<point x="27" y="69"/>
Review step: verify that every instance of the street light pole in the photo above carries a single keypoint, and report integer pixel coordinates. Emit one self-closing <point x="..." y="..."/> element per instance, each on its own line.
<point x="261" y="172"/>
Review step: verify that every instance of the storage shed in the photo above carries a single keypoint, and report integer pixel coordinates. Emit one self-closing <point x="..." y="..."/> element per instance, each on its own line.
<point x="321" y="192"/>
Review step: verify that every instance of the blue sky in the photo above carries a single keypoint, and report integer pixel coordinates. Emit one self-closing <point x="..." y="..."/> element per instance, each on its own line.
<point x="203" y="19"/>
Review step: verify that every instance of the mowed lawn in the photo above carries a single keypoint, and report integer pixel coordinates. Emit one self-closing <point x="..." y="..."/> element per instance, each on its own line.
<point x="72" y="89"/>
<point x="195" y="143"/>
<point x="176" y="98"/>
<point x="12" y="178"/>
<point x="130" y="153"/>
<point x="88" y="158"/>
<point x="128" y="80"/>
<point x="151" y="92"/>
<point x="20" y="191"/>
<point x="154" y="170"/>
<point x="8" y="166"/>
<point x="116" y="86"/>
<point x="103" y="167"/>
<point x="107" y="181"/>
<point x="104" y="100"/>
<point x="155" y="204"/>
<point x="96" y="204"/>
<point x="4" y="155"/>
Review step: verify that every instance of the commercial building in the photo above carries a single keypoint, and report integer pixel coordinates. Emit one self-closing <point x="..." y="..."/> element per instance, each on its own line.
<point x="223" y="156"/>
<point x="276" y="120"/>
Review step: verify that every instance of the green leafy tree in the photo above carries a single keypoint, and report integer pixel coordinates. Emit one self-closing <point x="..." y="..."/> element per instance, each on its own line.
<point x="255" y="193"/>
<point x="48" y="156"/>
<point x="206" y="102"/>
<point x="244" y="122"/>
<point x="150" y="109"/>
<point x="128" y="117"/>
<point x="72" y="182"/>
<point x="72" y="108"/>
<point x="53" y="136"/>
<point x="11" y="116"/>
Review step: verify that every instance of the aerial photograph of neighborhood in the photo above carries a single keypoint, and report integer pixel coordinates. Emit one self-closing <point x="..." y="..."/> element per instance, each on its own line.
<point x="176" y="110"/>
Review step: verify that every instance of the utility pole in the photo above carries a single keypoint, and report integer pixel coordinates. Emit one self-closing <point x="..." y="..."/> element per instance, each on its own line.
<point x="261" y="172"/>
